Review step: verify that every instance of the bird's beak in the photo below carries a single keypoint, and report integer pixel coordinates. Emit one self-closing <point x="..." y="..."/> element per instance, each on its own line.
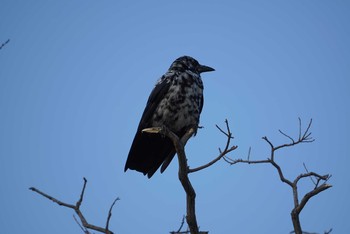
<point x="203" y="68"/>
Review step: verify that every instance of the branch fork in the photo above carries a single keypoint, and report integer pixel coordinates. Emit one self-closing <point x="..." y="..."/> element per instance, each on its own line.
<point x="184" y="170"/>
<point x="320" y="184"/>
<point x="84" y="224"/>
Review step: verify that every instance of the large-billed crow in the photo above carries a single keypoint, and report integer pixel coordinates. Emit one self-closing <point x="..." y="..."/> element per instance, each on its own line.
<point x="175" y="102"/>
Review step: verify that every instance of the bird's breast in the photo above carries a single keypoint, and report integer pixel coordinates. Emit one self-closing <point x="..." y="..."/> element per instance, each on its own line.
<point x="180" y="108"/>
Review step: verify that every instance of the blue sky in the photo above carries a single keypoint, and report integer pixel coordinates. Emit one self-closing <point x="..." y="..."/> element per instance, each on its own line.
<point x="76" y="75"/>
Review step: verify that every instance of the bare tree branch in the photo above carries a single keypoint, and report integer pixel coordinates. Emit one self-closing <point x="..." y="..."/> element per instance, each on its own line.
<point x="312" y="179"/>
<point x="179" y="145"/>
<point x="52" y="198"/>
<point x="110" y="212"/>
<point x="292" y="140"/>
<point x="81" y="227"/>
<point x="303" y="137"/>
<point x="76" y="208"/>
<point x="3" y="44"/>
<point x="227" y="149"/>
<point x="183" y="172"/>
<point x="186" y="231"/>
<point x="181" y="225"/>
<point x="319" y="181"/>
<point x="326" y="232"/>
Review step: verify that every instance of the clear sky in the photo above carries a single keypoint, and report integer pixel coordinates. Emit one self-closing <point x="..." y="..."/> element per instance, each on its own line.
<point x="75" y="78"/>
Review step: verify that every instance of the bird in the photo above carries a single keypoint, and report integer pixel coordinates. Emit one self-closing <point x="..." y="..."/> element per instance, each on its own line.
<point x="175" y="102"/>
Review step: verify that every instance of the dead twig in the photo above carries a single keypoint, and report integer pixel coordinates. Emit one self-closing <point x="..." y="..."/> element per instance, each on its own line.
<point x="224" y="152"/>
<point x="186" y="231"/>
<point x="326" y="232"/>
<point x="84" y="224"/>
<point x="3" y="44"/>
<point x="181" y="225"/>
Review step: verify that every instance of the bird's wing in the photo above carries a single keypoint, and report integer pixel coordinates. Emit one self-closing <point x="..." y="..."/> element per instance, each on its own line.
<point x="148" y="151"/>
<point x="201" y="105"/>
<point x="154" y="99"/>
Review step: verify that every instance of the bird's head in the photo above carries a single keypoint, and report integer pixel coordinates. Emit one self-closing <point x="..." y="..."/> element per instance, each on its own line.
<point x="188" y="63"/>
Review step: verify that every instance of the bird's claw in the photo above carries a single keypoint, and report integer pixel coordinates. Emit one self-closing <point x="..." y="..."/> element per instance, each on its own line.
<point x="152" y="130"/>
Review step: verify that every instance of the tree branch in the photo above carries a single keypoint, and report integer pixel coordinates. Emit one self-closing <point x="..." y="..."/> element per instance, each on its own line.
<point x="110" y="213"/>
<point x="3" y="44"/>
<point x="310" y="194"/>
<point x="179" y="145"/>
<point x="303" y="137"/>
<point x="76" y="208"/>
<point x="181" y="225"/>
<point x="227" y="149"/>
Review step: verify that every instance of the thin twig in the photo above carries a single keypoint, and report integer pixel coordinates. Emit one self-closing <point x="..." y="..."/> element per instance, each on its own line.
<point x="312" y="179"/>
<point x="284" y="134"/>
<point x="52" y="198"/>
<point x="3" y="44"/>
<point x="182" y="224"/>
<point x="307" y="133"/>
<point x="81" y="227"/>
<point x="110" y="213"/>
<point x="222" y="153"/>
<point x="249" y="151"/>
<point x="299" y="128"/>
<point x="82" y="194"/>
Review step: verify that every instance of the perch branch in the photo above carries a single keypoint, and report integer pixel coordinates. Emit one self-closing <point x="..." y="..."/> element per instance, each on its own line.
<point x="179" y="145"/>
